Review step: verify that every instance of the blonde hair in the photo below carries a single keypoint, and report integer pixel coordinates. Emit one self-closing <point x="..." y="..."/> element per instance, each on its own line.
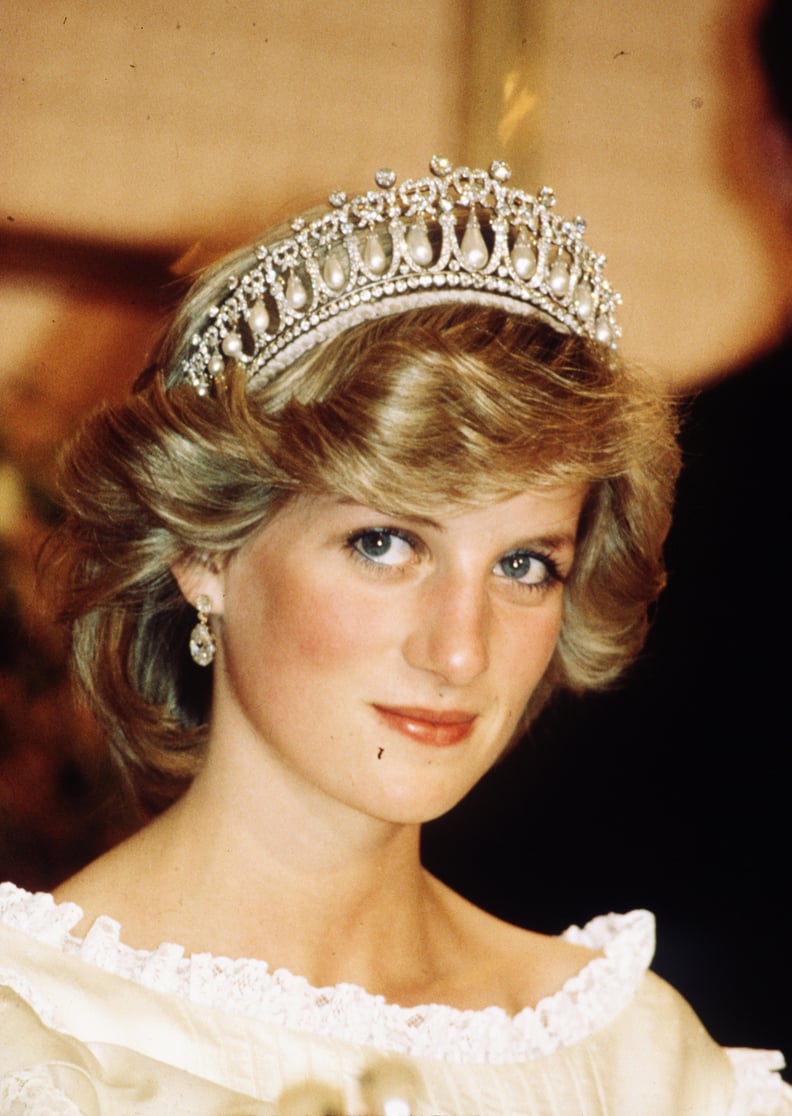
<point x="447" y="406"/>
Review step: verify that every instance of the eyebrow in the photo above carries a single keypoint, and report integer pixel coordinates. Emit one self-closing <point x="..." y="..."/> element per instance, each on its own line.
<point x="554" y="542"/>
<point x="389" y="513"/>
<point x="550" y="542"/>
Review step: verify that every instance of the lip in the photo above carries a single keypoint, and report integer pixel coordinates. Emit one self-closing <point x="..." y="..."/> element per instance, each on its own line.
<point x="440" y="729"/>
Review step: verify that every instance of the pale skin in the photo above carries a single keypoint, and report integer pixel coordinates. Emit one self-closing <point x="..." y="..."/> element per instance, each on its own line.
<point x="369" y="670"/>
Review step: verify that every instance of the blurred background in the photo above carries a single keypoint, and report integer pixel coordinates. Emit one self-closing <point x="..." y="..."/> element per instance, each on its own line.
<point x="139" y="140"/>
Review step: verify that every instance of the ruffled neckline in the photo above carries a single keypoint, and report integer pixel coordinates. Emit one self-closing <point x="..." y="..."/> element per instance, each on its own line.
<point x="587" y="1001"/>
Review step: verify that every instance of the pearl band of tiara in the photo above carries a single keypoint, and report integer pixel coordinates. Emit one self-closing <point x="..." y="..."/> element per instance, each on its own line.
<point x="459" y="235"/>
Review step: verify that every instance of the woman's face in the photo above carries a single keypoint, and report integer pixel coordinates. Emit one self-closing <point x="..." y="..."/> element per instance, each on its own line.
<point x="383" y="662"/>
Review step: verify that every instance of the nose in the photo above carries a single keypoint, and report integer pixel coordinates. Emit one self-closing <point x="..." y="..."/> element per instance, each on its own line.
<point x="449" y="634"/>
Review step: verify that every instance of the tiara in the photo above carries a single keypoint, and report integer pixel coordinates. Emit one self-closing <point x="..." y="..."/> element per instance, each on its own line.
<point x="457" y="235"/>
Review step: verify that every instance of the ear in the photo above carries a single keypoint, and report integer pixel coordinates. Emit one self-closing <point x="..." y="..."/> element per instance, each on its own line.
<point x="196" y="576"/>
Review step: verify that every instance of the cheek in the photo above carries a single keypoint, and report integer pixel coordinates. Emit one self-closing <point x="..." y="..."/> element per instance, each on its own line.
<point x="552" y="632"/>
<point x="531" y="648"/>
<point x="317" y="626"/>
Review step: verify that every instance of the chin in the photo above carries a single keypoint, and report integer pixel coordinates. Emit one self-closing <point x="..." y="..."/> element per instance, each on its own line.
<point x="414" y="808"/>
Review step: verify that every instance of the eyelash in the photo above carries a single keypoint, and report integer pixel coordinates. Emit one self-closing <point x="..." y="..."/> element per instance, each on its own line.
<point x="552" y="576"/>
<point x="384" y="533"/>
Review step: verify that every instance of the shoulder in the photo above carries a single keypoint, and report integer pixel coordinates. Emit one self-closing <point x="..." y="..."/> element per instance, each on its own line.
<point x="516" y="969"/>
<point x="125" y="885"/>
<point x="684" y="1056"/>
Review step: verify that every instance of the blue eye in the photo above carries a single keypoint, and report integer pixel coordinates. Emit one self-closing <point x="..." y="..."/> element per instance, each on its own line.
<point x="528" y="568"/>
<point x="384" y="546"/>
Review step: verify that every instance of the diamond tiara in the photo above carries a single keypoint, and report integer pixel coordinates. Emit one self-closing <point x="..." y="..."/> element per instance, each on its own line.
<point x="458" y="235"/>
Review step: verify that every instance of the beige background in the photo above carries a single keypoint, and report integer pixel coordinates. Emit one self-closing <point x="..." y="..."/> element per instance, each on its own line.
<point x="158" y="125"/>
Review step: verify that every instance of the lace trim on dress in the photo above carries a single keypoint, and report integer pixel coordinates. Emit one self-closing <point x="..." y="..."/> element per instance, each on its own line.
<point x="760" y="1088"/>
<point x="31" y="1093"/>
<point x="587" y="1002"/>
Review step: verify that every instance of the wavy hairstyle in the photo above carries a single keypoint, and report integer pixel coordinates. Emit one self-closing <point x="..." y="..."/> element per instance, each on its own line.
<point x="453" y="406"/>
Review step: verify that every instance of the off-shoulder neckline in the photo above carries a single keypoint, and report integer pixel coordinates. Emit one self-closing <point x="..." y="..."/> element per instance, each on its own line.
<point x="586" y="1002"/>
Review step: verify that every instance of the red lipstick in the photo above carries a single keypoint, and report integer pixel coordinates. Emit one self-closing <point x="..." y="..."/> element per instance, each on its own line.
<point x="429" y="726"/>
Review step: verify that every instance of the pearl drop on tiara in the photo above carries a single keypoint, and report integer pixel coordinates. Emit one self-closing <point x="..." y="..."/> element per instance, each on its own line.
<point x="457" y="235"/>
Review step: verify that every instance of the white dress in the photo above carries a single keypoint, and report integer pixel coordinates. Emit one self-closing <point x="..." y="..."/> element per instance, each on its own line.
<point x="90" y="1026"/>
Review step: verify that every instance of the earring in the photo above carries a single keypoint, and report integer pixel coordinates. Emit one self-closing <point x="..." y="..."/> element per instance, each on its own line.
<point x="202" y="642"/>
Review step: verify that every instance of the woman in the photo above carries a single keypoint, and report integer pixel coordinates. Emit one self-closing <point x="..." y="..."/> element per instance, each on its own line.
<point x="388" y="478"/>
